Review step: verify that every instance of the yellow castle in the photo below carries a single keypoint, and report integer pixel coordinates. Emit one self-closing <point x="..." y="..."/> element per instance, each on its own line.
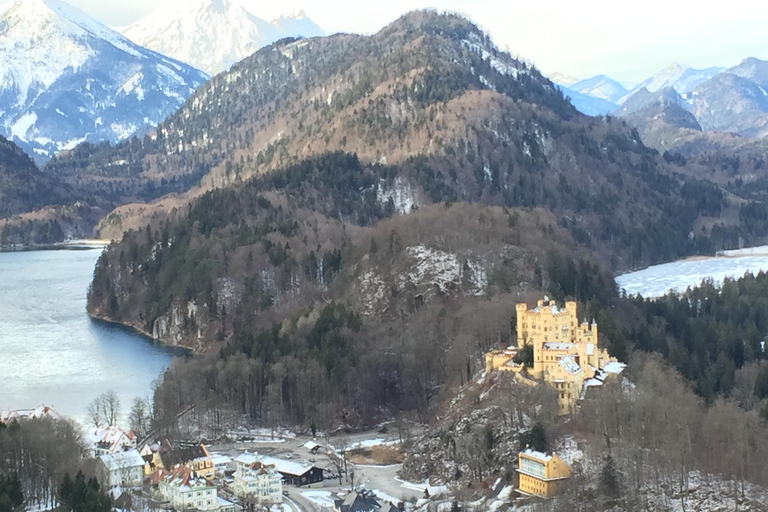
<point x="565" y="352"/>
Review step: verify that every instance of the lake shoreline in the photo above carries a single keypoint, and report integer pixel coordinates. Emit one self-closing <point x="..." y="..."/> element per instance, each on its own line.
<point x="185" y="351"/>
<point x="85" y="244"/>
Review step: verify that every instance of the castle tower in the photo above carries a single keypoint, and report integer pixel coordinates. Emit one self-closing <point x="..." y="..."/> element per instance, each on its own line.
<point x="522" y="333"/>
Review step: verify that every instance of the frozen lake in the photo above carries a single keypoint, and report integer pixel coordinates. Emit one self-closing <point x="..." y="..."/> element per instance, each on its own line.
<point x="658" y="280"/>
<point x="51" y="352"/>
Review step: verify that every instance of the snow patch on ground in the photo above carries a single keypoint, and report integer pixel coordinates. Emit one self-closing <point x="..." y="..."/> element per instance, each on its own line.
<point x="133" y="85"/>
<point x="402" y="195"/>
<point x="434" y="490"/>
<point x="370" y="443"/>
<point x="567" y="449"/>
<point x="374" y="289"/>
<point x="22" y="125"/>
<point x="442" y="270"/>
<point x="430" y="265"/>
<point x="321" y="498"/>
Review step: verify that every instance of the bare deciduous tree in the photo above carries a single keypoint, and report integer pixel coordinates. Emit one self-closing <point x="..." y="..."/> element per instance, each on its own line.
<point x="104" y="410"/>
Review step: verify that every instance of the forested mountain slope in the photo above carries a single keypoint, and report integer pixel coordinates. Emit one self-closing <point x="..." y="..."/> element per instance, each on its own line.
<point x="486" y="127"/>
<point x="379" y="316"/>
<point x="344" y="284"/>
<point x="22" y="186"/>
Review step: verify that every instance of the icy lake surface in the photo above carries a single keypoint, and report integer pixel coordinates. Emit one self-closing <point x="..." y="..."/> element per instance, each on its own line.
<point x="658" y="280"/>
<point x="51" y="352"/>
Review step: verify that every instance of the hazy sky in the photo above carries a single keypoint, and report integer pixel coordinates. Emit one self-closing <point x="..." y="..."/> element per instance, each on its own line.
<point x="626" y="40"/>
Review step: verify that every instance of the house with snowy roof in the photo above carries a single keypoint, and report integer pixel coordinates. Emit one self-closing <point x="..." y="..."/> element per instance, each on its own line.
<point x="253" y="478"/>
<point x="104" y="440"/>
<point x="362" y="501"/>
<point x="121" y="469"/>
<point x="184" y="489"/>
<point x="566" y="353"/>
<point x="295" y="473"/>
<point x="39" y="413"/>
<point x="540" y="474"/>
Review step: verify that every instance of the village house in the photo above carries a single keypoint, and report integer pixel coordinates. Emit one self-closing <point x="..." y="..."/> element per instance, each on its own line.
<point x="186" y="490"/>
<point x="295" y="473"/>
<point x="203" y="465"/>
<point x="42" y="412"/>
<point x="256" y="479"/>
<point x="104" y="440"/>
<point x="152" y="459"/>
<point x="565" y="352"/>
<point x="362" y="501"/>
<point x="541" y="474"/>
<point x="313" y="447"/>
<point x="221" y="463"/>
<point x="121" y="469"/>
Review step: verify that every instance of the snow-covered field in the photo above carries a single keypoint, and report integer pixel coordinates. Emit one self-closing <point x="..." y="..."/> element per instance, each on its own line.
<point x="658" y="280"/>
<point x="322" y="498"/>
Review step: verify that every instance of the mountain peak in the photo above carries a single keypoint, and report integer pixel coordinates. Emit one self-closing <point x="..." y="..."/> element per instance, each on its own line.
<point x="297" y="15"/>
<point x="214" y="34"/>
<point x="563" y="79"/>
<point x="54" y="97"/>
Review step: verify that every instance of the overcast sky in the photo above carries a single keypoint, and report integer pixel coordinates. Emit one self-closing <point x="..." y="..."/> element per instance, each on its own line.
<point x="628" y="41"/>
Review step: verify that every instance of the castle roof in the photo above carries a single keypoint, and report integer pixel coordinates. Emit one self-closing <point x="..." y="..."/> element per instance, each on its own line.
<point x="570" y="365"/>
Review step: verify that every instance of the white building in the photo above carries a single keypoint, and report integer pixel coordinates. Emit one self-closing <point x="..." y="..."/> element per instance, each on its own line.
<point x="105" y="440"/>
<point x="186" y="490"/>
<point x="123" y="469"/>
<point x="254" y="477"/>
<point x="42" y="412"/>
<point x="222" y="463"/>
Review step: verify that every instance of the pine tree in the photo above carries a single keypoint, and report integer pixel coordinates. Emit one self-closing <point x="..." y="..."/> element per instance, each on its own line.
<point x="610" y="484"/>
<point x="11" y="493"/>
<point x="535" y="439"/>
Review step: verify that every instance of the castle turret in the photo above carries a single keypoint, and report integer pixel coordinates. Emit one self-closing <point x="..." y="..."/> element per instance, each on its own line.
<point x="522" y="328"/>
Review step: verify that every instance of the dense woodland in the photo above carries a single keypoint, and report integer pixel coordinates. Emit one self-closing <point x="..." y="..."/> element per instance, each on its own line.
<point x="23" y="187"/>
<point x="36" y="456"/>
<point x="305" y="307"/>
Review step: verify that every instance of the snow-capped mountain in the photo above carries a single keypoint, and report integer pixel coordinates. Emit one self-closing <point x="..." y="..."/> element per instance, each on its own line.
<point x="563" y="79"/>
<point x="297" y="24"/>
<point x="213" y="34"/>
<point x="681" y="78"/>
<point x="587" y="104"/>
<point x="600" y="87"/>
<point x="66" y="78"/>
<point x="754" y="70"/>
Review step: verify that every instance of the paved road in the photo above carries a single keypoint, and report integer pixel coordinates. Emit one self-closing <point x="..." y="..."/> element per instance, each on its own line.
<point x="380" y="478"/>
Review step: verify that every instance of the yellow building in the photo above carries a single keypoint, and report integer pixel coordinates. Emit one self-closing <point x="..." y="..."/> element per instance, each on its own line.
<point x="565" y="352"/>
<point x="203" y="464"/>
<point x="541" y="474"/>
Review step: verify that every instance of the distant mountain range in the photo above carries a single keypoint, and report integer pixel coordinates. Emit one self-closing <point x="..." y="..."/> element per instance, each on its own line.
<point x="731" y="100"/>
<point x="214" y="34"/>
<point x="65" y="78"/>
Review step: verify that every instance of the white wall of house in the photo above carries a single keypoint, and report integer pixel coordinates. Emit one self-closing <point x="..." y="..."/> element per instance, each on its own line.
<point x="266" y="487"/>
